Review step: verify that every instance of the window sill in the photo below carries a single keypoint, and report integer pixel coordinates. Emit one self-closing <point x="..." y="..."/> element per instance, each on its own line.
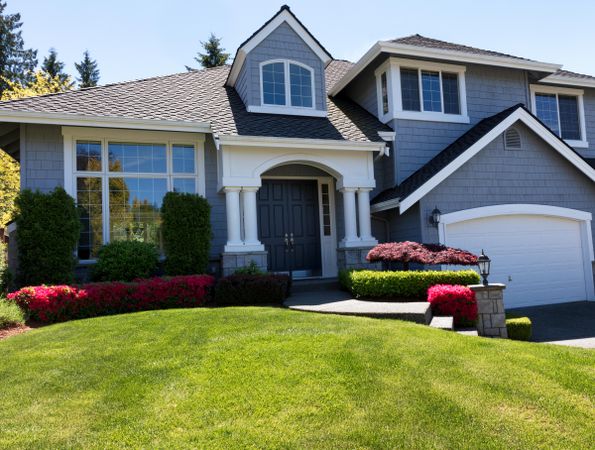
<point x="286" y="110"/>
<point x="431" y="117"/>
<point x="577" y="144"/>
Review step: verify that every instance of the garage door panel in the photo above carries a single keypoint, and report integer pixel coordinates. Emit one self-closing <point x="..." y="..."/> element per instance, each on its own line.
<point x="539" y="258"/>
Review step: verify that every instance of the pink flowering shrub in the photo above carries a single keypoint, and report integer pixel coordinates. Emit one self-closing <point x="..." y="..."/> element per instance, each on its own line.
<point x="453" y="300"/>
<point x="60" y="303"/>
<point x="414" y="252"/>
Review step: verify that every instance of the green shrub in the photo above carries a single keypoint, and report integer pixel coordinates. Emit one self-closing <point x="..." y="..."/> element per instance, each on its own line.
<point x="125" y="261"/>
<point x="250" y="269"/>
<point x="519" y="328"/>
<point x="402" y="285"/>
<point x="186" y="233"/>
<point x="240" y="290"/>
<point x="5" y="275"/>
<point x="10" y="314"/>
<point x="48" y="229"/>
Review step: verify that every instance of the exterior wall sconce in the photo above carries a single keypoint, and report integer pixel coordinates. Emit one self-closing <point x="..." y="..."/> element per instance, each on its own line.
<point x="435" y="217"/>
<point x="483" y="263"/>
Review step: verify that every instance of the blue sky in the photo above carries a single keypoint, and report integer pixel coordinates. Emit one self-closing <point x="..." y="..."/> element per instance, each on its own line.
<point x="136" y="39"/>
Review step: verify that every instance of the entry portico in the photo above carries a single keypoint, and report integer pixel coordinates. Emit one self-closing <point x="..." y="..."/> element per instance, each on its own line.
<point x="242" y="162"/>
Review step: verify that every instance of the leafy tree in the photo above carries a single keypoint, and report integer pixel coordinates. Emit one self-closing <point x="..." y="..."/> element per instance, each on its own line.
<point x="16" y="62"/>
<point x="9" y="187"/>
<point x="54" y="68"/>
<point x="214" y="54"/>
<point x="88" y="71"/>
<point x="41" y="84"/>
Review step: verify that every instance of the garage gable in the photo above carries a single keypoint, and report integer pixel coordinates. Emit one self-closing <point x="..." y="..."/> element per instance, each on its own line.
<point x="450" y="160"/>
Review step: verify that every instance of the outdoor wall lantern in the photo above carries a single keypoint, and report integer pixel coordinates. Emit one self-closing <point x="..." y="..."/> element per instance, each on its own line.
<point x="484" y="267"/>
<point x="435" y="217"/>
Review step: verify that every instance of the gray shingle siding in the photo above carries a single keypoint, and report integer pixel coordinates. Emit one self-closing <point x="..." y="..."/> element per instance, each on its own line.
<point x="537" y="174"/>
<point x="363" y="90"/>
<point x="489" y="91"/>
<point x="406" y="226"/>
<point x="215" y="199"/>
<point x="283" y="43"/>
<point x="42" y="157"/>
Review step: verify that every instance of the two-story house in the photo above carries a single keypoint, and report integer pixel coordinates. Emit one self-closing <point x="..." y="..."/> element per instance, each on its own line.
<point x="308" y="161"/>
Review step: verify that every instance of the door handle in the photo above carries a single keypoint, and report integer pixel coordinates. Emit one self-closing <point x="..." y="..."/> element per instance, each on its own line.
<point x="291" y="240"/>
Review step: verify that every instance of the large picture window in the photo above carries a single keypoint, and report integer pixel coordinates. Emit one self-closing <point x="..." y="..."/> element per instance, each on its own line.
<point x="119" y="184"/>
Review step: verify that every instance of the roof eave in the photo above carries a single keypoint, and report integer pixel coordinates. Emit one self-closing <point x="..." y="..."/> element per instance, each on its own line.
<point x="78" y="120"/>
<point x="568" y="81"/>
<point x="431" y="53"/>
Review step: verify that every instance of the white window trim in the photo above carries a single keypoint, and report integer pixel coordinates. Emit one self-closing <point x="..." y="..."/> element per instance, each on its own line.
<point x="73" y="134"/>
<point x="579" y="93"/>
<point x="395" y="105"/>
<point x="288" y="108"/>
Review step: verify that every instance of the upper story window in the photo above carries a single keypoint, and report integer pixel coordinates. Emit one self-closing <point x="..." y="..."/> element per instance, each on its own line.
<point x="561" y="109"/>
<point x="420" y="90"/>
<point x="287" y="84"/>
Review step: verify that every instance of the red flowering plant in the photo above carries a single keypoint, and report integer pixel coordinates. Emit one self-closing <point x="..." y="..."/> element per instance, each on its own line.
<point x="60" y="303"/>
<point x="454" y="300"/>
<point x="427" y="254"/>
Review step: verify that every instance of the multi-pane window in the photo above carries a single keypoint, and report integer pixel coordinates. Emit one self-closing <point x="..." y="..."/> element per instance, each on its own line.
<point x="286" y="83"/>
<point x="560" y="112"/>
<point x="326" y="210"/>
<point x="384" y="92"/>
<point x="273" y="83"/>
<point x="430" y="91"/>
<point x="120" y="188"/>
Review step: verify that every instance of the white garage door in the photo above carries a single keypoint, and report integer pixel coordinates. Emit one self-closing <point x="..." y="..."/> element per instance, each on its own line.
<point x="540" y="259"/>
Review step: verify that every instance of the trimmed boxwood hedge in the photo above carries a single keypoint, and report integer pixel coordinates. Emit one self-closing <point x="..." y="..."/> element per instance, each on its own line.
<point x="186" y="233"/>
<point x="125" y="261"/>
<point x="401" y="285"/>
<point x="519" y="328"/>
<point x="251" y="290"/>
<point x="48" y="229"/>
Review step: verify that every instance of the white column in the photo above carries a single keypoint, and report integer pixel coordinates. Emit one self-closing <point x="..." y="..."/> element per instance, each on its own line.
<point x="365" y="221"/>
<point x="232" y="206"/>
<point x="251" y="241"/>
<point x="350" y="239"/>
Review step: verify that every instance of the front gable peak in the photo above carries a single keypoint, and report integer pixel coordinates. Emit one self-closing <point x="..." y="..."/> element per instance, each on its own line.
<point x="284" y="15"/>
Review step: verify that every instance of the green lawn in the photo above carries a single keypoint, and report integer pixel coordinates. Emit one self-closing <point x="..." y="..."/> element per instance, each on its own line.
<point x="266" y="377"/>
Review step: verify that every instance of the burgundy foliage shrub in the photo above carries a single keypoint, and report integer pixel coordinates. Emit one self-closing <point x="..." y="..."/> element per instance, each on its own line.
<point x="427" y="254"/>
<point x="453" y="300"/>
<point x="60" y="303"/>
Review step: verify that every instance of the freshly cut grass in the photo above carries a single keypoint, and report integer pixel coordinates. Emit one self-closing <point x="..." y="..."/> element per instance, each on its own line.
<point x="273" y="378"/>
<point x="10" y="314"/>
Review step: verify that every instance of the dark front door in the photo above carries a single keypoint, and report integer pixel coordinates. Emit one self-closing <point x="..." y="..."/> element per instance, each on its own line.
<point x="289" y="225"/>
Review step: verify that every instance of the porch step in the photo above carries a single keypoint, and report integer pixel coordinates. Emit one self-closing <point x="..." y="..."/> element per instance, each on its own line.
<point x="315" y="285"/>
<point x="468" y="332"/>
<point x="337" y="302"/>
<point x="443" y="322"/>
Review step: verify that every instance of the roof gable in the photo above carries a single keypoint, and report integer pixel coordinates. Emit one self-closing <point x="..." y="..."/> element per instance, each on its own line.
<point x="284" y="15"/>
<point x="466" y="147"/>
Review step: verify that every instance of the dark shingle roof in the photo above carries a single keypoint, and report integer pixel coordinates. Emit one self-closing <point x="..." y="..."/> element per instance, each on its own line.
<point x="418" y="40"/>
<point x="575" y="75"/>
<point x="444" y="158"/>
<point x="200" y="96"/>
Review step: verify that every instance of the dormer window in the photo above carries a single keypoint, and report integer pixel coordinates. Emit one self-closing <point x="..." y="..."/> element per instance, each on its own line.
<point x="287" y="84"/>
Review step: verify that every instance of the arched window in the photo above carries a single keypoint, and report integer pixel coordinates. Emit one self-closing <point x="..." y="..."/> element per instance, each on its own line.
<point x="512" y="139"/>
<point x="287" y="83"/>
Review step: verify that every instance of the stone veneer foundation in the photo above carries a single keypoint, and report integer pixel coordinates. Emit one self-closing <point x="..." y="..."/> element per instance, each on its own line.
<point x="230" y="262"/>
<point x="351" y="258"/>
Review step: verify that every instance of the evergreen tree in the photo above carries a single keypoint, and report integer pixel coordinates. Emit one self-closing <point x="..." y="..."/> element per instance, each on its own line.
<point x="16" y="63"/>
<point x="214" y="54"/>
<point x="54" y="67"/>
<point x="88" y="71"/>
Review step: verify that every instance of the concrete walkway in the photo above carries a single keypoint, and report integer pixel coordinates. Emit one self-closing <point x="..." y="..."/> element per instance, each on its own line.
<point x="339" y="302"/>
<point x="570" y="324"/>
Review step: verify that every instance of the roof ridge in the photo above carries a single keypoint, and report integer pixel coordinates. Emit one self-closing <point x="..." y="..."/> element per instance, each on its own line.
<point x="117" y="83"/>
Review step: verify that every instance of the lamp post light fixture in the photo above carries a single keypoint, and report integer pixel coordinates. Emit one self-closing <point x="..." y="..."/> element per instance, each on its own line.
<point x="435" y="217"/>
<point x="483" y="263"/>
